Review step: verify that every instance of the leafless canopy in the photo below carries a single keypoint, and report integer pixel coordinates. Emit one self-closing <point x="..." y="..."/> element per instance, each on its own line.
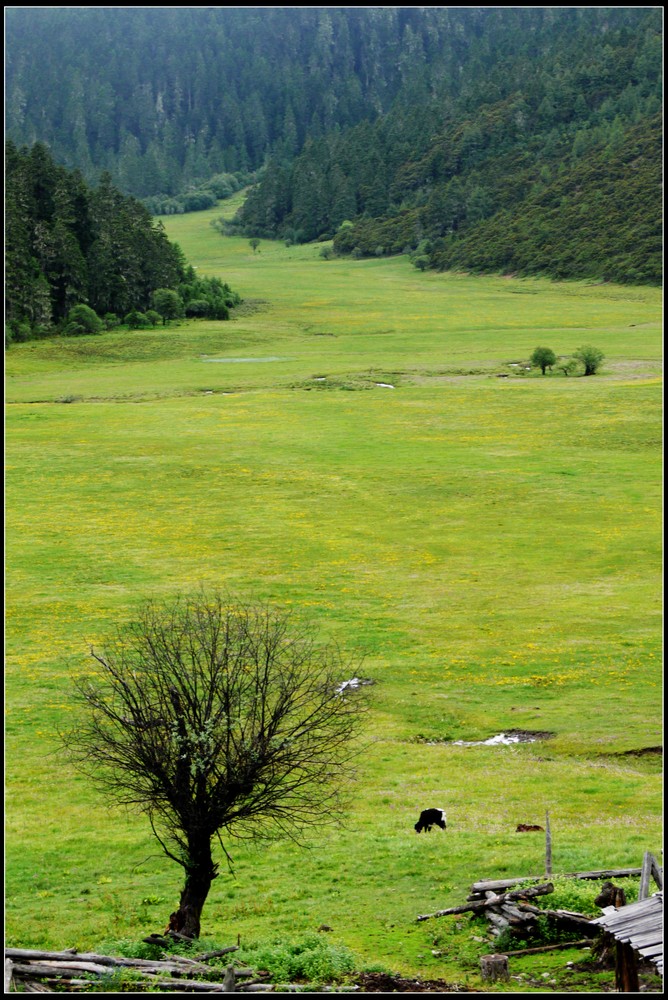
<point x="211" y="715"/>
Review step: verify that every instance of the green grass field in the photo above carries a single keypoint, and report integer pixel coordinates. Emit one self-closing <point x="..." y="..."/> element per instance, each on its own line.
<point x="490" y="545"/>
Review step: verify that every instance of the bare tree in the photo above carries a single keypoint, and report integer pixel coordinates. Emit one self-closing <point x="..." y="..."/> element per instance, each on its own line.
<point x="216" y="717"/>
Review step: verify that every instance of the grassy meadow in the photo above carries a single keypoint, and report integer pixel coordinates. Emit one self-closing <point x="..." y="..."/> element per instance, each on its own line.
<point x="345" y="446"/>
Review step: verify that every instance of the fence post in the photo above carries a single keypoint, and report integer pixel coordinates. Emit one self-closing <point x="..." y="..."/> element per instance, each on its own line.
<point x="643" y="891"/>
<point x="548" y="845"/>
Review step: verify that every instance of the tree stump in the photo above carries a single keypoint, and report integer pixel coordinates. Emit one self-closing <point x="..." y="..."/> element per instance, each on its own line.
<point x="611" y="895"/>
<point x="494" y="968"/>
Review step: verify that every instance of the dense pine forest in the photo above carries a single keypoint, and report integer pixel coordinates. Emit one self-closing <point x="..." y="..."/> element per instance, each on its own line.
<point x="82" y="259"/>
<point x="523" y="140"/>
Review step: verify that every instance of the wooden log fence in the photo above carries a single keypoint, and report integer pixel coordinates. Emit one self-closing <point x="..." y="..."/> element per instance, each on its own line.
<point x="492" y="900"/>
<point x="506" y="907"/>
<point x="39" y="971"/>
<point x="483" y="886"/>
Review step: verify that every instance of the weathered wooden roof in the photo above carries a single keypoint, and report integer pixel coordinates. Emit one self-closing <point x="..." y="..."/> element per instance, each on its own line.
<point x="638" y="924"/>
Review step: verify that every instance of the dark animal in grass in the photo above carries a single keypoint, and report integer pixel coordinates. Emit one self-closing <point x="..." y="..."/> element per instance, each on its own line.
<point x="526" y="828"/>
<point x="429" y="818"/>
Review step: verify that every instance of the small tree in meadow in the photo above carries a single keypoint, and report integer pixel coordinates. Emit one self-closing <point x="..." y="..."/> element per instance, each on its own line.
<point x="567" y="366"/>
<point x="254" y="244"/>
<point x="168" y="303"/>
<point x="216" y="718"/>
<point x="591" y="358"/>
<point x="543" y="357"/>
<point x="153" y="317"/>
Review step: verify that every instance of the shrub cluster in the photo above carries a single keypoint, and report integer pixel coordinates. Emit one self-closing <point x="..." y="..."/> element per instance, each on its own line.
<point x="208" y="298"/>
<point x="589" y="357"/>
<point x="196" y="199"/>
<point x="313" y="959"/>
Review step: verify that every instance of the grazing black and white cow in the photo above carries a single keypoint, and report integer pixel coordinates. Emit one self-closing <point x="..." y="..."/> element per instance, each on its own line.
<point x="429" y="818"/>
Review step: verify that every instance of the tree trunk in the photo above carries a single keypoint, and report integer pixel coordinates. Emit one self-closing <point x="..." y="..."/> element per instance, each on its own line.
<point x="200" y="873"/>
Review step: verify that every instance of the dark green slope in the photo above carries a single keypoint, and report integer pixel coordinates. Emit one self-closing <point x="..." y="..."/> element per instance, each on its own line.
<point x="599" y="217"/>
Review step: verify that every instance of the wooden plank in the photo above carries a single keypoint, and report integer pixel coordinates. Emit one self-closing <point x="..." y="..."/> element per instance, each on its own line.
<point x="186" y="986"/>
<point x="216" y="954"/>
<point x="649" y="951"/>
<point x="657" y="873"/>
<point x="583" y="943"/>
<point x="507" y="882"/>
<point x="645" y="940"/>
<point x="610" y="873"/>
<point x="161" y="967"/>
<point x="69" y="967"/>
<point x="643" y="891"/>
<point x="575" y="920"/>
<point x="626" y="918"/>
<point x="648" y="909"/>
<point x="516" y="915"/>
<point x="8" y="974"/>
<point x="491" y="900"/>
<point x="40" y="970"/>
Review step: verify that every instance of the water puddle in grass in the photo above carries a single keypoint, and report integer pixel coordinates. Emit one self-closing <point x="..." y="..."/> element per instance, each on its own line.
<point x="353" y="684"/>
<point x="238" y="361"/>
<point x="508" y="738"/>
<point x="505" y="739"/>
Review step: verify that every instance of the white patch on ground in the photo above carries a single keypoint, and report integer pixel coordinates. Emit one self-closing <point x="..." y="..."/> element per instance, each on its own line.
<point x="352" y="684"/>
<point x="500" y="740"/>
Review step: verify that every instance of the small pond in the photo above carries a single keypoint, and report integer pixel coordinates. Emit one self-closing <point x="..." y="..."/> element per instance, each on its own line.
<point x="239" y="361"/>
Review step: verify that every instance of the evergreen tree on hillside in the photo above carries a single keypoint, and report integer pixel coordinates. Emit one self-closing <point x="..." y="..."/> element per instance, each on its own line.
<point x="438" y="124"/>
<point x="198" y="91"/>
<point x="68" y="245"/>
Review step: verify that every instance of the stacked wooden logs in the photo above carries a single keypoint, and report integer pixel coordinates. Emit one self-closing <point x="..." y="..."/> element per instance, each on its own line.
<point x="55" y="971"/>
<point x="505" y="907"/>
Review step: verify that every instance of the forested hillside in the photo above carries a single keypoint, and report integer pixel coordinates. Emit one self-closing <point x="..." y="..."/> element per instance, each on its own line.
<point x="166" y="96"/>
<point x="548" y="161"/>
<point x="478" y="138"/>
<point x="587" y="215"/>
<point x="79" y="258"/>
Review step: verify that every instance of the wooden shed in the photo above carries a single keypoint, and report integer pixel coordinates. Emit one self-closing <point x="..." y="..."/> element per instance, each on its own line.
<point x="638" y="930"/>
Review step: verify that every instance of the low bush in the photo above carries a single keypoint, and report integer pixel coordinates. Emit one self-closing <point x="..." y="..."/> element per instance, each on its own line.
<point x="314" y="959"/>
<point x="136" y="320"/>
<point x="81" y="319"/>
